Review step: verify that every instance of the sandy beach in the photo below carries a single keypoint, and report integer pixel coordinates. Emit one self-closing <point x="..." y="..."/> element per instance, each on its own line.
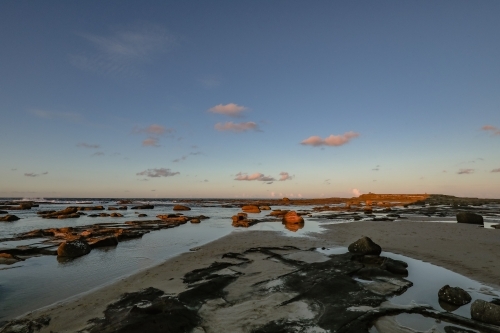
<point x="466" y="249"/>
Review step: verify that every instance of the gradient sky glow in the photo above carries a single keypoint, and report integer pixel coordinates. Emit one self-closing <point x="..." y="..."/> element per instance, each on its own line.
<point x="249" y="98"/>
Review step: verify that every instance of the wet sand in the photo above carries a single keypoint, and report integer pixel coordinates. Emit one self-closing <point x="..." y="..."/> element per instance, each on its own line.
<point x="465" y="249"/>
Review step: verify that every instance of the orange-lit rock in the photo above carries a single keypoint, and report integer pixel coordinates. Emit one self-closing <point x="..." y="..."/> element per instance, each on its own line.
<point x="251" y="209"/>
<point x="181" y="207"/>
<point x="292" y="217"/>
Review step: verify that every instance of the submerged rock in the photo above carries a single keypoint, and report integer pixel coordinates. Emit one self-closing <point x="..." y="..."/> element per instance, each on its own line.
<point x="454" y="295"/>
<point x="9" y="218"/>
<point x="365" y="246"/>
<point x="73" y="249"/>
<point x="469" y="218"/>
<point x="485" y="312"/>
<point x="181" y="207"/>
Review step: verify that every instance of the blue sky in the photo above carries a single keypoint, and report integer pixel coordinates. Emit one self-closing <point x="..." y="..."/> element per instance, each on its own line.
<point x="249" y="98"/>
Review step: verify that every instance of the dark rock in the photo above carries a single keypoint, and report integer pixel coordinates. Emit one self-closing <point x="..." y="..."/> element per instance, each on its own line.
<point x="485" y="312"/>
<point x="454" y="295"/>
<point x="454" y="329"/>
<point x="9" y="259"/>
<point x="93" y="215"/>
<point x="142" y="215"/>
<point x="278" y="213"/>
<point x="104" y="215"/>
<point x="91" y="208"/>
<point x="102" y="242"/>
<point x="469" y="218"/>
<point x="3" y="212"/>
<point x="9" y="218"/>
<point x="73" y="249"/>
<point x="116" y="215"/>
<point x="365" y="245"/>
<point x="25" y="325"/>
<point x="143" y="207"/>
<point x="181" y="207"/>
<point x="55" y="215"/>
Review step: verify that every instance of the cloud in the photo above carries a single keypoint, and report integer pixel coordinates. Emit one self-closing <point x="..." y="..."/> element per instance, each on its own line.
<point x="356" y="192"/>
<point x="255" y="176"/>
<point x="32" y="174"/>
<point x="123" y="51"/>
<point x="68" y="116"/>
<point x="183" y="158"/>
<point x="465" y="171"/>
<point x="162" y="172"/>
<point x="285" y="176"/>
<point x="87" y="145"/>
<point x="98" y="153"/>
<point x="496" y="170"/>
<point x="493" y="129"/>
<point x="209" y="83"/>
<point x="332" y="140"/>
<point x="150" y="142"/>
<point x="153" y="130"/>
<point x="377" y="168"/>
<point x="327" y="182"/>
<point x="237" y="127"/>
<point x="231" y="109"/>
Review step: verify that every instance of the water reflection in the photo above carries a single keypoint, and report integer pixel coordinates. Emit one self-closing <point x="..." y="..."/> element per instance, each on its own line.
<point x="294" y="227"/>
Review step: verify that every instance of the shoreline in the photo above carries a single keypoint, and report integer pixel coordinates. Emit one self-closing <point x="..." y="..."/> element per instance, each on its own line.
<point x="464" y="249"/>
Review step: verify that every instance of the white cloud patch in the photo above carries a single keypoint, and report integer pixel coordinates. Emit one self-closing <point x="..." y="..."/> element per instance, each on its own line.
<point x="465" y="171"/>
<point x="237" y="127"/>
<point x="332" y="140"/>
<point x="231" y="109"/>
<point x="88" y="145"/>
<point x="356" y="192"/>
<point x="162" y="172"/>
<point x="285" y="176"/>
<point x="255" y="176"/>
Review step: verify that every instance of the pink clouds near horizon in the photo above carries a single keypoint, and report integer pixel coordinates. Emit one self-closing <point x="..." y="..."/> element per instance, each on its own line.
<point x="332" y="140"/>
<point x="237" y="127"/>
<point x="231" y="109"/>
<point x="493" y="129"/>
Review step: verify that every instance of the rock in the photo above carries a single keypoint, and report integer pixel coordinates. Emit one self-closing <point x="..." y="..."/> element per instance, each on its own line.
<point x="485" y="312"/>
<point x="250" y="209"/>
<point x="73" y="249"/>
<point x="469" y="218"/>
<point x="239" y="217"/>
<point x="454" y="295"/>
<point x="285" y="199"/>
<point x="142" y="215"/>
<point x="25" y="325"/>
<point x="3" y="212"/>
<point x="265" y="208"/>
<point x="181" y="207"/>
<point x="91" y="208"/>
<point x="104" y="215"/>
<point x="243" y="223"/>
<point x="365" y="245"/>
<point x="278" y="212"/>
<point x="56" y="215"/>
<point x="112" y="208"/>
<point x="195" y="221"/>
<point x="93" y="215"/>
<point x="9" y="218"/>
<point x="101" y="242"/>
<point x="292" y="217"/>
<point x="116" y="215"/>
<point x="8" y="259"/>
<point x="143" y="207"/>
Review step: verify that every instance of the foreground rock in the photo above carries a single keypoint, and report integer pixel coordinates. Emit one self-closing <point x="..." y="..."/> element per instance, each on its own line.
<point x="454" y="295"/>
<point x="469" y="218"/>
<point x="485" y="312"/>
<point x="26" y="325"/>
<point x="9" y="218"/>
<point x="181" y="207"/>
<point x="73" y="249"/>
<point x="365" y="246"/>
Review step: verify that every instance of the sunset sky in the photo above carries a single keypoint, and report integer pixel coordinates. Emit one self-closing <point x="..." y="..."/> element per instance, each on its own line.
<point x="249" y="98"/>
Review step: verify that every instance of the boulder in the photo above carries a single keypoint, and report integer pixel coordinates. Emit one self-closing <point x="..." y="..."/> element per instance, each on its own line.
<point x="365" y="246"/>
<point x="243" y="223"/>
<point x="292" y="217"/>
<point x="104" y="215"/>
<point x="116" y="215"/>
<point x="265" y="208"/>
<point x="142" y="215"/>
<point x="250" y="209"/>
<point x="454" y="295"/>
<point x="240" y="217"/>
<point x="112" y="208"/>
<point x="485" y="312"/>
<point x="9" y="218"/>
<point x="181" y="207"/>
<point x="73" y="249"/>
<point x="195" y="221"/>
<point x="143" y="207"/>
<point x="469" y="218"/>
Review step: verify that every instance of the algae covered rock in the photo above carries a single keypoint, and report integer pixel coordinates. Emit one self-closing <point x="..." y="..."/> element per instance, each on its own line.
<point x="365" y="246"/>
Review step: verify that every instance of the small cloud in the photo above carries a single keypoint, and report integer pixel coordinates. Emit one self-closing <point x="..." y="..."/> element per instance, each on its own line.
<point x="205" y="181"/>
<point x="444" y="171"/>
<point x="356" y="192"/>
<point x="69" y="116"/>
<point x="496" y="170"/>
<point x="153" y="130"/>
<point x="268" y="183"/>
<point x="209" y="83"/>
<point x="237" y="127"/>
<point x="327" y="182"/>
<point x="465" y="171"/>
<point x="493" y="129"/>
<point x="255" y="176"/>
<point x="332" y="140"/>
<point x="231" y="109"/>
<point x="183" y="158"/>
<point x="14" y="169"/>
<point x="285" y="176"/>
<point x="32" y="174"/>
<point x="143" y="180"/>
<point x="99" y="153"/>
<point x="377" y="168"/>
<point x="150" y="142"/>
<point x="162" y="172"/>
<point x="87" y="145"/>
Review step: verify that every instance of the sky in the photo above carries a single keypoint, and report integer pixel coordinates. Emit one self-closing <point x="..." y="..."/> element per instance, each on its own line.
<point x="249" y="99"/>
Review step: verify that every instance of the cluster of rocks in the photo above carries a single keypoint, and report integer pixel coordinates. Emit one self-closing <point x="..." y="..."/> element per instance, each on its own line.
<point x="290" y="219"/>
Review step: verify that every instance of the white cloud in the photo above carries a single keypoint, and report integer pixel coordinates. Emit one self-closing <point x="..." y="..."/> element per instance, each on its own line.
<point x="332" y="140"/>
<point x="285" y="176"/>
<point x="231" y="109"/>
<point x="356" y="192"/>
<point x="162" y="172"/>
<point x="237" y="127"/>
